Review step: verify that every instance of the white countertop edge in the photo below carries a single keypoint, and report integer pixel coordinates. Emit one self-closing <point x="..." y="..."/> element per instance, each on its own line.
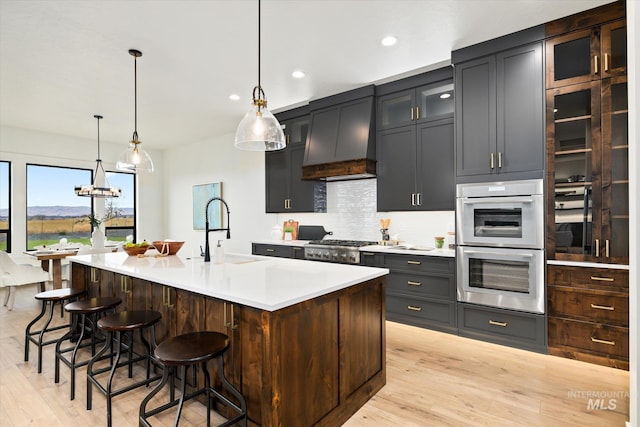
<point x="372" y="273"/>
<point x="390" y="249"/>
<point x="282" y="242"/>
<point x="587" y="264"/>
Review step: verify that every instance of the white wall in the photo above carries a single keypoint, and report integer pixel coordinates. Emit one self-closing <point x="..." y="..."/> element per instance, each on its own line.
<point x="21" y="146"/>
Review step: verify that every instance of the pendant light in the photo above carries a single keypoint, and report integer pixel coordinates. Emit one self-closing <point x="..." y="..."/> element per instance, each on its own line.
<point x="259" y="130"/>
<point x="95" y="190"/>
<point x="135" y="159"/>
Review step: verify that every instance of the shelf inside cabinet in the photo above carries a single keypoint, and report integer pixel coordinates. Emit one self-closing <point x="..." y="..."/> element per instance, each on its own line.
<point x="573" y="119"/>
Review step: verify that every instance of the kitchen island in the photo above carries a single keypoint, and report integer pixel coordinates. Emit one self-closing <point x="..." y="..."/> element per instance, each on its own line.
<point x="307" y="338"/>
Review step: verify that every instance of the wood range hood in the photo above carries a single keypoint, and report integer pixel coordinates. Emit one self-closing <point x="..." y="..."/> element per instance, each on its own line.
<point x="341" y="141"/>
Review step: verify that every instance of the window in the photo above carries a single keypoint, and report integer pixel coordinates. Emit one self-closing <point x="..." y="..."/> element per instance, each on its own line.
<point x="5" y="206"/>
<point x="55" y="212"/>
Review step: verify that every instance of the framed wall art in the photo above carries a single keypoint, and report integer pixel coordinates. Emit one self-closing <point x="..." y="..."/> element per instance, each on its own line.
<point x="201" y="195"/>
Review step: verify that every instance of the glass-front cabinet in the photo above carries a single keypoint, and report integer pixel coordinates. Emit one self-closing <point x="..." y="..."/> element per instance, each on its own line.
<point x="590" y="54"/>
<point x="426" y="103"/>
<point x="588" y="176"/>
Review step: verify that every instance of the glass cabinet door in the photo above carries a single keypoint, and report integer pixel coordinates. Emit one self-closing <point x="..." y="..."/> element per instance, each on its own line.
<point x="435" y="101"/>
<point x="615" y="169"/>
<point x="614" y="49"/>
<point x="397" y="109"/>
<point x="296" y="130"/>
<point x="574" y="131"/>
<point x="571" y="58"/>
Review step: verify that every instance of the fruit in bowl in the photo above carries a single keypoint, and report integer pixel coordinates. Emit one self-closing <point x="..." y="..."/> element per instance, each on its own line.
<point x="167" y="247"/>
<point x="135" y="249"/>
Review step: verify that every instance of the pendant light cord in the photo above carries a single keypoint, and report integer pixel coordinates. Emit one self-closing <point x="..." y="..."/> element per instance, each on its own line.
<point x="98" y="121"/>
<point x="135" y="98"/>
<point x="259" y="45"/>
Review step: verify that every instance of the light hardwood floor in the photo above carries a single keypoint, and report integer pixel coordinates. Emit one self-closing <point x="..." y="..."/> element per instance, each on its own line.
<point x="433" y="379"/>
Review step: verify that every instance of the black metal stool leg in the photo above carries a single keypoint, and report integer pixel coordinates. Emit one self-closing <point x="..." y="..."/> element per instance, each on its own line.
<point x="166" y="374"/>
<point x="207" y="388"/>
<point x="183" y="392"/>
<point x="107" y="344"/>
<point x="41" y="337"/>
<point x="27" y="333"/>
<point x="69" y="334"/>
<point x="114" y="366"/>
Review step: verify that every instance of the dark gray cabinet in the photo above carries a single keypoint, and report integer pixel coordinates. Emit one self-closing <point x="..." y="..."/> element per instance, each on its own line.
<point x="415" y="146"/>
<point x="285" y="189"/>
<point x="500" y="326"/>
<point x="421" y="290"/>
<point x="500" y="115"/>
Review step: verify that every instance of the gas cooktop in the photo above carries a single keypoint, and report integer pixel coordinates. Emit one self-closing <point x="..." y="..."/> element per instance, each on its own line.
<point x="346" y="243"/>
<point x="342" y="251"/>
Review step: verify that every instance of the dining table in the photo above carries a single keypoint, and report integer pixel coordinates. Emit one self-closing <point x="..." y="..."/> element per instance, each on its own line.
<point x="51" y="262"/>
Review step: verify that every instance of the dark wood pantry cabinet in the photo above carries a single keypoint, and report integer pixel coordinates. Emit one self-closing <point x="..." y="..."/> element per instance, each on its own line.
<point x="588" y="187"/>
<point x="500" y="108"/>
<point x="285" y="189"/>
<point x="415" y="143"/>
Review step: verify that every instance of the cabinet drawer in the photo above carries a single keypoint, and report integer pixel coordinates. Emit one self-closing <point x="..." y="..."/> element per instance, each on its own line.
<point x="523" y="330"/>
<point x="272" y="250"/>
<point x="589" y="305"/>
<point x="588" y="277"/>
<point x="418" y="263"/>
<point x="423" y="285"/>
<point x="420" y="312"/>
<point x="591" y="337"/>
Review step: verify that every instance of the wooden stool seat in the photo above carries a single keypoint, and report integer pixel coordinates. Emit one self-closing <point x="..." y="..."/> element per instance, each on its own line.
<point x="49" y="299"/>
<point x="192" y="348"/>
<point x="81" y="311"/>
<point x="129" y="320"/>
<point x="187" y="350"/>
<point x="114" y="326"/>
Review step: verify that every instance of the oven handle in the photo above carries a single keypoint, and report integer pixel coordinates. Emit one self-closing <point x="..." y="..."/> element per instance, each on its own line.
<point x="464" y="251"/>
<point x="497" y="200"/>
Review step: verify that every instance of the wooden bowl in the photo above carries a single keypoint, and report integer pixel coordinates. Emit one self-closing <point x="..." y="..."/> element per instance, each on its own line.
<point x="167" y="248"/>
<point x="135" y="250"/>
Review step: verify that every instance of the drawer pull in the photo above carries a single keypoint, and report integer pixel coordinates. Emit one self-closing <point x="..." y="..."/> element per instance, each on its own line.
<point x="414" y="308"/>
<point x="494" y="323"/>
<point x="414" y="262"/>
<point x="367" y="253"/>
<point x="412" y="283"/>
<point x="271" y="250"/>
<point x="602" y="307"/>
<point x="603" y="341"/>
<point x="602" y="279"/>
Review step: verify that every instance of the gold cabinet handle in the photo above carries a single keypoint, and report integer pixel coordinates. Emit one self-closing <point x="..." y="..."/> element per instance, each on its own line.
<point x="491" y="161"/>
<point x="606" y="248"/>
<point x="414" y="308"/>
<point x="94" y="275"/>
<point x="606" y="62"/>
<point x="602" y="279"/>
<point x="595" y="65"/>
<point x="233" y="324"/>
<point x="270" y="250"/>
<point x="417" y="113"/>
<point x="123" y="285"/>
<point x="500" y="159"/>
<point x="411" y="113"/>
<point x="494" y="323"/>
<point x="597" y="248"/>
<point x="414" y="262"/>
<point x="603" y="341"/>
<point x="603" y="307"/>
<point x="412" y="283"/>
<point x="367" y="253"/>
<point x="418" y="199"/>
<point x="166" y="297"/>
<point x="288" y="139"/>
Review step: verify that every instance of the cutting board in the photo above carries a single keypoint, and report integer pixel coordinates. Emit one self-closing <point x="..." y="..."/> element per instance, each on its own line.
<point x="293" y="224"/>
<point x="312" y="232"/>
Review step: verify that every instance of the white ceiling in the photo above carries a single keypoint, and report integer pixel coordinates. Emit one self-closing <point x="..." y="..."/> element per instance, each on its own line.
<point x="61" y="61"/>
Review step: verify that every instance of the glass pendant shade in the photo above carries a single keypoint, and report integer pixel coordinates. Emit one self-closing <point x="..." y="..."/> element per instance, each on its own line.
<point x="100" y="186"/>
<point x="134" y="159"/>
<point x="259" y="130"/>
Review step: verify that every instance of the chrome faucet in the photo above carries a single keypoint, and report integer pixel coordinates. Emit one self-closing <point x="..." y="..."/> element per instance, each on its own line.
<point x="207" y="256"/>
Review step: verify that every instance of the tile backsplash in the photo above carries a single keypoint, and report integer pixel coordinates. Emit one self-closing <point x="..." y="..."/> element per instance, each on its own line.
<point x="352" y="214"/>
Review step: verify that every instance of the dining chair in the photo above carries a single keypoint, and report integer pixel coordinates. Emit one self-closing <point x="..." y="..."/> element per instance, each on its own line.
<point x="14" y="274"/>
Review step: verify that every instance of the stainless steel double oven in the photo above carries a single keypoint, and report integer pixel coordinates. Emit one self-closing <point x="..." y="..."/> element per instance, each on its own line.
<point x="500" y="229"/>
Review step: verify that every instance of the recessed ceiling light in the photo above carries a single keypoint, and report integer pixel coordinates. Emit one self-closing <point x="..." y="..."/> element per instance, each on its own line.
<point x="234" y="97"/>
<point x="297" y="74"/>
<point x="445" y="95"/>
<point x="389" y="41"/>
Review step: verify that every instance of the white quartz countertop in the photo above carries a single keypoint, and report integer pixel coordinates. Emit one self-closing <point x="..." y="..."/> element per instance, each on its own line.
<point x="266" y="283"/>
<point x="408" y="249"/>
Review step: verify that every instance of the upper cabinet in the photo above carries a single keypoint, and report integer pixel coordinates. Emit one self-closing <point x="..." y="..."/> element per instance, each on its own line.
<point x="588" y="143"/>
<point x="500" y="109"/>
<point x="415" y="144"/>
<point x="285" y="189"/>
<point x="589" y="54"/>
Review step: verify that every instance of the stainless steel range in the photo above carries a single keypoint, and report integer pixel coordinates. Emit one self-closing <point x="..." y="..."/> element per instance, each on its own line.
<point x="342" y="251"/>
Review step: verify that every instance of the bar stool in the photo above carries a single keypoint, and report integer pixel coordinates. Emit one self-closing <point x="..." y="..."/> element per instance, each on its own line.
<point x="114" y="325"/>
<point x="188" y="350"/>
<point x="49" y="299"/>
<point x="81" y="311"/>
